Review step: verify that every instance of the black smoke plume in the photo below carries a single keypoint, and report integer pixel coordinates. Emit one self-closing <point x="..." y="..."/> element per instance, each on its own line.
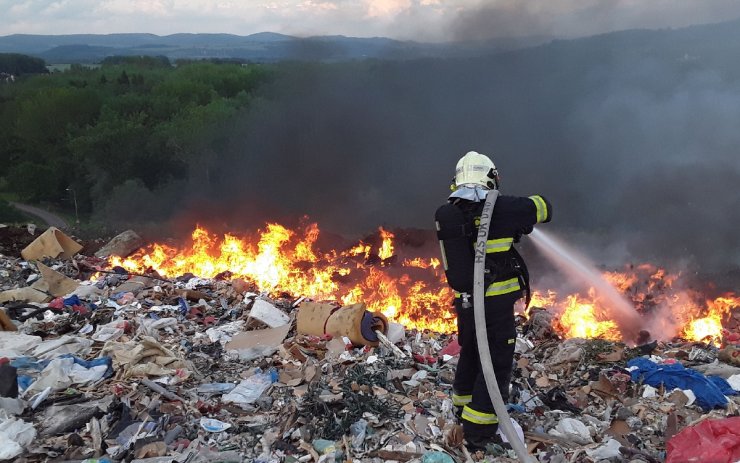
<point x="632" y="136"/>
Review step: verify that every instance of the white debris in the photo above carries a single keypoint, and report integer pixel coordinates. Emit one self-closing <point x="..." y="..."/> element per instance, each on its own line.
<point x="268" y="314"/>
<point x="571" y="428"/>
<point x="734" y="381"/>
<point x="15" y="435"/>
<point x="610" y="449"/>
<point x="649" y="391"/>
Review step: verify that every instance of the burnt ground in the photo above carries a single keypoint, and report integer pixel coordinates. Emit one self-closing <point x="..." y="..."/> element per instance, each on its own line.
<point x="14" y="239"/>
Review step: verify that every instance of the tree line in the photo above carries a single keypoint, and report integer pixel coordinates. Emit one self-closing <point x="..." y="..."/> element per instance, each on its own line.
<point x="137" y="124"/>
<point x="16" y="64"/>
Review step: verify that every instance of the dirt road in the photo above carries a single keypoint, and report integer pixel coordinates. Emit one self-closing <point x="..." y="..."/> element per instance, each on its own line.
<point x="52" y="220"/>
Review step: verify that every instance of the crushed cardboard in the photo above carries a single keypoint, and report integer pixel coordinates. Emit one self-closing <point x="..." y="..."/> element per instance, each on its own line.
<point x="53" y="243"/>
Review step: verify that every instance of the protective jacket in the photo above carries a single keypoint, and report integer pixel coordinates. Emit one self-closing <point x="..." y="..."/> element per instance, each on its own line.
<point x="513" y="216"/>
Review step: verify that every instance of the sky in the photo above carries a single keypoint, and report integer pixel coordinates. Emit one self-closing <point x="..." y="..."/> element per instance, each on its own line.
<point x="422" y="20"/>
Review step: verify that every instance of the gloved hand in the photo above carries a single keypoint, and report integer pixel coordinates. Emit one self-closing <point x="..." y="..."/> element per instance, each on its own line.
<point x="522" y="231"/>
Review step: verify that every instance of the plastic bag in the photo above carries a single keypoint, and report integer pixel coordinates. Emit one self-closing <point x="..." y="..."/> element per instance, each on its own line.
<point x="66" y="371"/>
<point x="249" y="390"/>
<point x="715" y="441"/>
<point x="517" y="428"/>
<point x="215" y="388"/>
<point x="15" y="434"/>
<point x="358" y="431"/>
<point x="110" y="331"/>
<point x="572" y="429"/>
<point x="708" y="395"/>
<point x="609" y="449"/>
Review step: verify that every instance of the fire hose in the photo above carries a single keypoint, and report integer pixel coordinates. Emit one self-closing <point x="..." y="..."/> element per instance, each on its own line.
<point x="481" y="332"/>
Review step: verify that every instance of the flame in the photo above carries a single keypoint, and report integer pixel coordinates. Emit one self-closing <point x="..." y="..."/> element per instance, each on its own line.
<point x="361" y="249"/>
<point x="668" y="310"/>
<point x="710" y="326"/>
<point x="621" y="281"/>
<point x="412" y="290"/>
<point x="386" y="249"/>
<point x="541" y="300"/>
<point x="280" y="260"/>
<point x="585" y="319"/>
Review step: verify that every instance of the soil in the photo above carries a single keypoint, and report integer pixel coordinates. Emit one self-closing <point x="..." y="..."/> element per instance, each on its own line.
<point x="14" y="239"/>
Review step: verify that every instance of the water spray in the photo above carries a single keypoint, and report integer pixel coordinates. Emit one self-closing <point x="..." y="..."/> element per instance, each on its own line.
<point x="579" y="269"/>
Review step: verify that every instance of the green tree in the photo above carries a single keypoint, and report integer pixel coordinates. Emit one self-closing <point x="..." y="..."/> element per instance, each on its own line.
<point x="18" y="65"/>
<point x="131" y="125"/>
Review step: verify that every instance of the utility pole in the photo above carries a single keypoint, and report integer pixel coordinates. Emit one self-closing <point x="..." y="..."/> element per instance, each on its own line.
<point x="74" y="198"/>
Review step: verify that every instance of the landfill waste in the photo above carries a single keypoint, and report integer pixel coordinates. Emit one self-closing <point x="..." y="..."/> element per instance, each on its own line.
<point x="212" y="425"/>
<point x="716" y="441"/>
<point x="15" y="435"/>
<point x="121" y="245"/>
<point x="710" y="392"/>
<point x="353" y="322"/>
<point x="250" y="389"/>
<point x="52" y="243"/>
<point x="436" y="457"/>
<point x="149" y="369"/>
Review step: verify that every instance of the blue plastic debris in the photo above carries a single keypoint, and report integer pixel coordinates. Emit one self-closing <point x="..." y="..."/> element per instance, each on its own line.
<point x="184" y="308"/>
<point x="675" y="375"/>
<point x="72" y="301"/>
<point x="436" y="457"/>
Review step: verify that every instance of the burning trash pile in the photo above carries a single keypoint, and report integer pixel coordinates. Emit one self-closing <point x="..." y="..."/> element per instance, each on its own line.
<point x="263" y="349"/>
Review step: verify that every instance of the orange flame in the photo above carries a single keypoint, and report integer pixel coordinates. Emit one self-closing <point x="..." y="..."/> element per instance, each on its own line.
<point x="667" y="309"/>
<point x="585" y="319"/>
<point x="621" y="281"/>
<point x="386" y="249"/>
<point x="541" y="300"/>
<point x="710" y="325"/>
<point x="413" y="290"/>
<point x="284" y="261"/>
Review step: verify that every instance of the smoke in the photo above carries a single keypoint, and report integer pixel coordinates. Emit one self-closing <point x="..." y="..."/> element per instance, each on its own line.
<point x="664" y="140"/>
<point x="567" y="19"/>
<point x="636" y="150"/>
<point x="508" y="18"/>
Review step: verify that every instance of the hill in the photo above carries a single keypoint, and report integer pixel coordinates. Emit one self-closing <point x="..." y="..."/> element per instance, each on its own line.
<point x="260" y="47"/>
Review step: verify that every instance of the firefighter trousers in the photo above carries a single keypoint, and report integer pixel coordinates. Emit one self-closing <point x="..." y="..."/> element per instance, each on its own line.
<point x="479" y="419"/>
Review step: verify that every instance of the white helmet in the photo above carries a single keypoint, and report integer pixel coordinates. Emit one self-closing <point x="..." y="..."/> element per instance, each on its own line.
<point x="475" y="169"/>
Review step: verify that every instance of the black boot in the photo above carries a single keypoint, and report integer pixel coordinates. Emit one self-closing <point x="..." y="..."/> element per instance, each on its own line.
<point x="484" y="438"/>
<point x="478" y="436"/>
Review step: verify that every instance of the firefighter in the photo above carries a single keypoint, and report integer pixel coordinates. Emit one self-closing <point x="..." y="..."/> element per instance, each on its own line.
<point x="506" y="281"/>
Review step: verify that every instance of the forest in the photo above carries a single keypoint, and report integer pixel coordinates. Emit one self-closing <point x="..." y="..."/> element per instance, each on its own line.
<point x="137" y="123"/>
